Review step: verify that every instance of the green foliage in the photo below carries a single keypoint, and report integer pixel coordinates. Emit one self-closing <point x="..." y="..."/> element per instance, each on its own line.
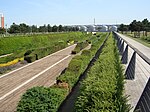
<point x="79" y="63"/>
<point x="52" y="42"/>
<point x="30" y="58"/>
<point x="36" y="54"/>
<point x="73" y="71"/>
<point x="80" y="46"/>
<point x="41" y="99"/>
<point x="102" y="90"/>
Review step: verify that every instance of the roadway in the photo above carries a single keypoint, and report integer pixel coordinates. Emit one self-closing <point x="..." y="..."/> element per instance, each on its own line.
<point x="42" y="72"/>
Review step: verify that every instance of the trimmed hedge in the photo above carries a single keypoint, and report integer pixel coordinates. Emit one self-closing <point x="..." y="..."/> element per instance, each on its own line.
<point x="102" y="90"/>
<point x="80" y="46"/>
<point x="35" y="54"/>
<point x="72" y="74"/>
<point x="20" y="45"/>
<point x="42" y="97"/>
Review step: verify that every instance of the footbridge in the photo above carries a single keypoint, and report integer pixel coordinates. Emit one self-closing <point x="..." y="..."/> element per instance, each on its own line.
<point x="136" y="59"/>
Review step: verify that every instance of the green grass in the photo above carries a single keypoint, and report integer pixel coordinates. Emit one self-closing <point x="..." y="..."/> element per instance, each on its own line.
<point x="40" y="99"/>
<point x="143" y="40"/>
<point x="19" y="45"/>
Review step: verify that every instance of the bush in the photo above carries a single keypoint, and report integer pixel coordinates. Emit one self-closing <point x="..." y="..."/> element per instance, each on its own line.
<point x="72" y="72"/>
<point x="86" y="53"/>
<point x="28" y="52"/>
<point x="79" y="63"/>
<point x="102" y="90"/>
<point x="30" y="58"/>
<point x="79" y="47"/>
<point x="41" y="99"/>
<point x="35" y="54"/>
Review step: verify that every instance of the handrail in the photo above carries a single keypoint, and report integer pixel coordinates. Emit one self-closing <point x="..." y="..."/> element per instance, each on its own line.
<point x="145" y="58"/>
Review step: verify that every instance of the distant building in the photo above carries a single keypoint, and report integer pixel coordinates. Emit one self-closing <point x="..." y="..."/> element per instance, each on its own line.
<point x="114" y="28"/>
<point x="97" y="28"/>
<point x="103" y="28"/>
<point x="2" y="20"/>
<point x="91" y="28"/>
<point x="82" y="28"/>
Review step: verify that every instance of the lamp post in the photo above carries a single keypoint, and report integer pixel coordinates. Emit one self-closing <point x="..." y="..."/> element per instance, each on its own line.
<point x="6" y="29"/>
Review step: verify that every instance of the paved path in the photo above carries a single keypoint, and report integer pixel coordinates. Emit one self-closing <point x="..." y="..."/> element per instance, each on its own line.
<point x="144" y="49"/>
<point x="42" y="72"/>
<point x="134" y="88"/>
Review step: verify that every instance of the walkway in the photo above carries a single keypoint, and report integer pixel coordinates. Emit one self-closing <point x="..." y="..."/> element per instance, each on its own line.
<point x="134" y="88"/>
<point x="42" y="72"/>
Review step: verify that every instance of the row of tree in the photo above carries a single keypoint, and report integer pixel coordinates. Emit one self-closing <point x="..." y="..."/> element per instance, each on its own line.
<point x="24" y="28"/>
<point x="136" y="27"/>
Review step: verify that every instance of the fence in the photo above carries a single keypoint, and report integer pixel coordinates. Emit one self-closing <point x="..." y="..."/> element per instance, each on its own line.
<point x="137" y="73"/>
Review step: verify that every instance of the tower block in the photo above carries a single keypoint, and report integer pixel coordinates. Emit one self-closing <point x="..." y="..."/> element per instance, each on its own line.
<point x="2" y="21"/>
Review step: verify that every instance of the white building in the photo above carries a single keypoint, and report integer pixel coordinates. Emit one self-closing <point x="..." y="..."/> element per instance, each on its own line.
<point x="82" y="28"/>
<point x="91" y="28"/>
<point x="114" y="28"/>
<point x="103" y="28"/>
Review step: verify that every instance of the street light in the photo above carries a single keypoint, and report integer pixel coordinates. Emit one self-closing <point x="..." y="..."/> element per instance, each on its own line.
<point x="6" y="29"/>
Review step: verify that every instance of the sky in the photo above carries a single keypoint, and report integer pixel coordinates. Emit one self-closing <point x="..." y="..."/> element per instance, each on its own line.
<point x="74" y="12"/>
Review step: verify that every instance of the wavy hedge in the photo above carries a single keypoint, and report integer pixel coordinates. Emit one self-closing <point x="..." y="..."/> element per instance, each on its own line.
<point x="102" y="90"/>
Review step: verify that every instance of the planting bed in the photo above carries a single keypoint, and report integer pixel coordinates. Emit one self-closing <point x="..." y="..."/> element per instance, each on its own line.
<point x="101" y="90"/>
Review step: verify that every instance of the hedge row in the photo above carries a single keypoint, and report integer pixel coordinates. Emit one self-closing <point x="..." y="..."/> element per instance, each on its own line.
<point x="79" y="63"/>
<point x="80" y="46"/>
<point x="102" y="90"/>
<point x="35" y="54"/>
<point x="20" y="45"/>
<point x="39" y="99"/>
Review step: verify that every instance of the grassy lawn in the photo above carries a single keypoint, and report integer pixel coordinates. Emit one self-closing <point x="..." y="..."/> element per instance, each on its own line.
<point x="143" y="40"/>
<point x="19" y="45"/>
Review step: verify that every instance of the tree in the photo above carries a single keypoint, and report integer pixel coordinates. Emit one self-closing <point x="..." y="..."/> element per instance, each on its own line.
<point x="14" y="28"/>
<point x="54" y="28"/>
<point x="145" y="23"/>
<point x="139" y="27"/>
<point x="60" y="28"/>
<point x="133" y="28"/>
<point x="43" y="28"/>
<point x="123" y="28"/>
<point x="24" y="28"/>
<point x="34" y="28"/>
<point x="49" y="28"/>
<point x="2" y="31"/>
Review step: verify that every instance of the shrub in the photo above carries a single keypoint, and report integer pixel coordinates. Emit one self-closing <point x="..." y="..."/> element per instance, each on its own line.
<point x="38" y="99"/>
<point x="30" y="58"/>
<point x="102" y="90"/>
<point x="86" y="53"/>
<point x="79" y="47"/>
<point x="41" y="99"/>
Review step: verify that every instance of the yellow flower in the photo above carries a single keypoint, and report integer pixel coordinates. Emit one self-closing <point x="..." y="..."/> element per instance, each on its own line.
<point x="11" y="62"/>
